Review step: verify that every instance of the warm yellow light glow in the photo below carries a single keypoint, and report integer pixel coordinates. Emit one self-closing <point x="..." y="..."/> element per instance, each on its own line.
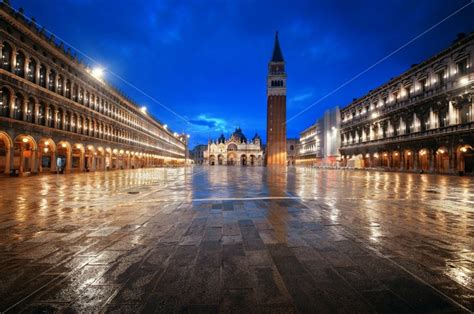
<point x="98" y="73"/>
<point x="464" y="81"/>
<point x="25" y="140"/>
<point x="46" y="143"/>
<point x="63" y="145"/>
<point x="89" y="147"/>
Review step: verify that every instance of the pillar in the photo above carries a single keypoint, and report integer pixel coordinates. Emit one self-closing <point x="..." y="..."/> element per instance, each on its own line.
<point x="12" y="105"/>
<point x="36" y="113"/>
<point x="53" y="161"/>
<point x="8" y="158"/>
<point x="415" y="160"/>
<point x="25" y="108"/>
<point x="34" y="161"/>
<point x="432" y="160"/>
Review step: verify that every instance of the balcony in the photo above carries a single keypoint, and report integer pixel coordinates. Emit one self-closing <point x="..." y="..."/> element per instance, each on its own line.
<point x="413" y="100"/>
<point x="451" y="129"/>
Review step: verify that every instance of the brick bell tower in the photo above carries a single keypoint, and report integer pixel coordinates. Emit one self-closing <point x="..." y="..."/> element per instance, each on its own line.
<point x="276" y="108"/>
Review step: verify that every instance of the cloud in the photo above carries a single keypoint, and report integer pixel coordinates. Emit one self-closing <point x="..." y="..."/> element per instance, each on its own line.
<point x="206" y="123"/>
<point x="305" y="95"/>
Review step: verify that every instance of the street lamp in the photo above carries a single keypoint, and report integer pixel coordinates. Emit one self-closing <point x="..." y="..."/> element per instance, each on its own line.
<point x="98" y="73"/>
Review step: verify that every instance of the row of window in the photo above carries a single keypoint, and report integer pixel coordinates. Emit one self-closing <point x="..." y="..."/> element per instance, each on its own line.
<point x="38" y="73"/>
<point x="24" y="109"/>
<point x="436" y="79"/>
<point x="416" y="123"/>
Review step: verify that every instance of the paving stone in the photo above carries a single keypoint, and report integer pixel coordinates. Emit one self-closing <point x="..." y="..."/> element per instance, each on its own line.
<point x="354" y="242"/>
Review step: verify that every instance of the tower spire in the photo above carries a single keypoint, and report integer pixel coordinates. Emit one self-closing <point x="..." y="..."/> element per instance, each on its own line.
<point x="277" y="55"/>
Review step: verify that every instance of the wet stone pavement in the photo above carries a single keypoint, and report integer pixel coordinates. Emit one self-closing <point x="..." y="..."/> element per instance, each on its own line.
<point x="231" y="239"/>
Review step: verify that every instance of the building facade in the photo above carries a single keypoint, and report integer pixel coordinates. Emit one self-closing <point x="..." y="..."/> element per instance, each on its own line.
<point x="276" y="108"/>
<point x="197" y="154"/>
<point x="319" y="143"/>
<point x="55" y="115"/>
<point x="291" y="150"/>
<point x="235" y="151"/>
<point x="421" y="120"/>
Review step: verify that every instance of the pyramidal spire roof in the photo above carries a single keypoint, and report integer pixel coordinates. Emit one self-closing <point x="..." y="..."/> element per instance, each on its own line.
<point x="277" y="55"/>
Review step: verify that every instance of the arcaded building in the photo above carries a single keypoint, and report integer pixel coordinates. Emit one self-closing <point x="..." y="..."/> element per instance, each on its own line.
<point x="56" y="115"/>
<point x="235" y="150"/>
<point x="421" y="120"/>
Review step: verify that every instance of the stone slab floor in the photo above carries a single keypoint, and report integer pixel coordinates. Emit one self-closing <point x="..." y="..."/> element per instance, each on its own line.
<point x="232" y="239"/>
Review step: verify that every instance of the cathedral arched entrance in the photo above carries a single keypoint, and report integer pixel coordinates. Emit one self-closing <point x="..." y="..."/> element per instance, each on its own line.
<point x="220" y="160"/>
<point x="253" y="160"/>
<point x="231" y="159"/>
<point x="243" y="160"/>
<point x="212" y="160"/>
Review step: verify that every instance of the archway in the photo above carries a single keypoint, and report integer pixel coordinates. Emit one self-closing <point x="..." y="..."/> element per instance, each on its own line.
<point x="63" y="156"/>
<point x="243" y="160"/>
<point x="100" y="158"/>
<point x="46" y="155"/>
<point x="424" y="159"/>
<point x="5" y="152"/>
<point x="252" y="160"/>
<point x="77" y="157"/>
<point x="395" y="160"/>
<point x="466" y="159"/>
<point x="442" y="160"/>
<point x="24" y="154"/>
<point x="408" y="160"/>
<point x="90" y="158"/>
<point x="384" y="161"/>
<point x="231" y="159"/>
<point x="108" y="158"/>
<point x="220" y="160"/>
<point x="212" y="160"/>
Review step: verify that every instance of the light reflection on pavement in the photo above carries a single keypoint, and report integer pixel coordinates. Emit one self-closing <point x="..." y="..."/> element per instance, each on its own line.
<point x="228" y="238"/>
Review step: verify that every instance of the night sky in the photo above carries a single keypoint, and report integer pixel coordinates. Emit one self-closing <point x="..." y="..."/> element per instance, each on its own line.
<point x="207" y="60"/>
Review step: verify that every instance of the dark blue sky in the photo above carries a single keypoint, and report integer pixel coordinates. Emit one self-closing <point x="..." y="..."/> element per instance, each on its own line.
<point x="207" y="60"/>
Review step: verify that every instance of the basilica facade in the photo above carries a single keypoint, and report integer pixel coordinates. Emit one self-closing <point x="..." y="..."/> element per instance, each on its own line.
<point x="235" y="150"/>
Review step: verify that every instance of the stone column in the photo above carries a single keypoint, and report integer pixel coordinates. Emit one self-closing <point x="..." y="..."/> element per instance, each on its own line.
<point x="402" y="160"/>
<point x="63" y="118"/>
<point x="53" y="161"/>
<point x="8" y="160"/>
<point x="37" y="73"/>
<point x="415" y="160"/>
<point x="55" y="118"/>
<point x="34" y="161"/>
<point x="25" y="109"/>
<point x="12" y="105"/>
<point x="36" y="113"/>
<point x="432" y="160"/>
<point x="13" y="65"/>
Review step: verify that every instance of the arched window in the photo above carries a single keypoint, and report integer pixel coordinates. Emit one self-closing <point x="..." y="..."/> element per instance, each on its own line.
<point x="59" y="119"/>
<point x="31" y="70"/>
<point x="67" y="121"/>
<point x="18" y="107"/>
<point x="4" y="102"/>
<point x="42" y="114"/>
<point x="74" y="92"/>
<point x="42" y="76"/>
<point x="86" y="99"/>
<point x="72" y="123"/>
<point x="6" y="56"/>
<point x="67" y="91"/>
<point x="60" y="90"/>
<point x="81" y="96"/>
<point x="30" y="107"/>
<point x="49" y="117"/>
<point x="20" y="64"/>
<point x="52" y="80"/>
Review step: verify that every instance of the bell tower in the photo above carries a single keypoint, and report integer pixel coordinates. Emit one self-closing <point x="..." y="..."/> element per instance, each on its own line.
<point x="276" y="108"/>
